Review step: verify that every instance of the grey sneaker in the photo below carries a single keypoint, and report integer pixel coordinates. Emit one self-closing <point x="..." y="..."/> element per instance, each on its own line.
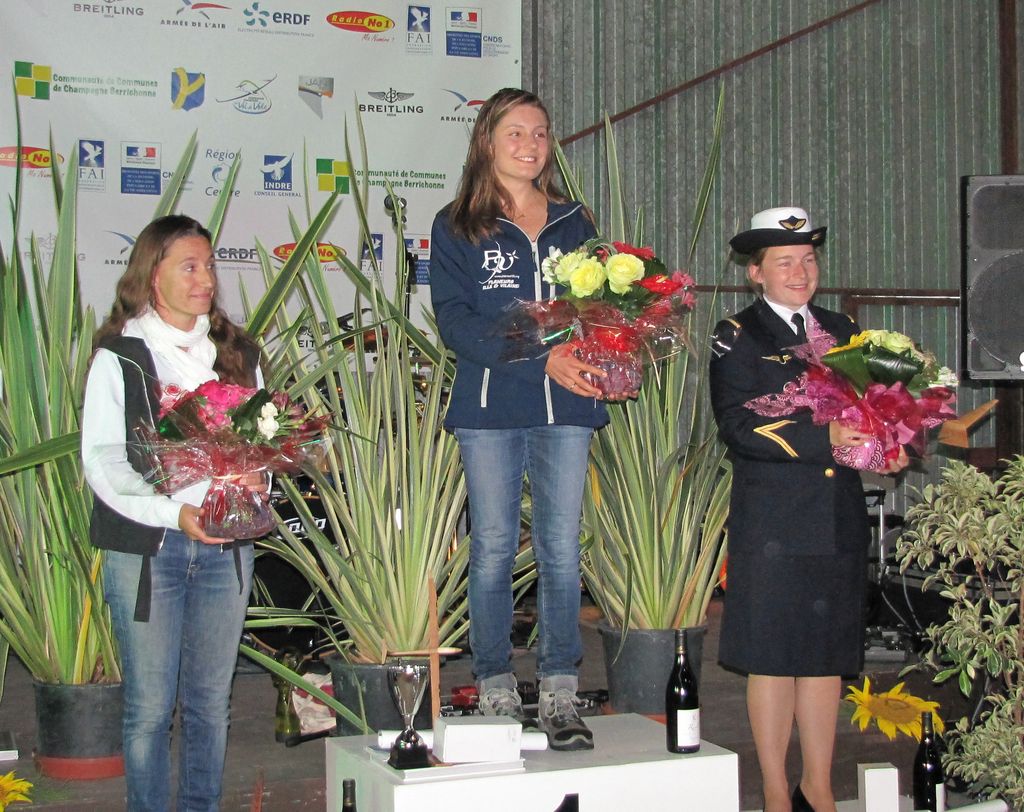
<point x="559" y="718"/>
<point x="499" y="697"/>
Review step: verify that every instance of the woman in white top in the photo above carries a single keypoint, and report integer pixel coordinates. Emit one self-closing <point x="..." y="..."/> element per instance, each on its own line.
<point x="177" y="596"/>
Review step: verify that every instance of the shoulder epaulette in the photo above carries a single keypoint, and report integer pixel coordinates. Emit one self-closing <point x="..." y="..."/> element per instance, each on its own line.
<point x="723" y="339"/>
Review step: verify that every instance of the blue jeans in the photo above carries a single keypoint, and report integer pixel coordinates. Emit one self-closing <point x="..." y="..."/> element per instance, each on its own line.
<point x="554" y="458"/>
<point x="187" y="653"/>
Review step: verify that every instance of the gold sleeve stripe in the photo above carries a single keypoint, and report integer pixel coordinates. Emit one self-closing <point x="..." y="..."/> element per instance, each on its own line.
<point x="769" y="432"/>
<point x="734" y="323"/>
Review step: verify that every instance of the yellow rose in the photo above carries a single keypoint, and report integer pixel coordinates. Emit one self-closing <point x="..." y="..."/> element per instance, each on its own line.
<point x="623" y="270"/>
<point x="565" y="265"/>
<point x="896" y="342"/>
<point x="587" y="277"/>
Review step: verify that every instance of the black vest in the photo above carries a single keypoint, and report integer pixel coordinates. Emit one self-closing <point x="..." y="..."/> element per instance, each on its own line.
<point x="109" y="530"/>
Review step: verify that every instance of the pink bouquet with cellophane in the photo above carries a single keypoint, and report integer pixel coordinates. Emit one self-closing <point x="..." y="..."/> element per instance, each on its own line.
<point x="224" y="433"/>
<point x="622" y="310"/>
<point x="879" y="383"/>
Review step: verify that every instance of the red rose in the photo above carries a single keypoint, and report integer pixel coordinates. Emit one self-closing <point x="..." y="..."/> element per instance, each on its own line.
<point x="659" y="284"/>
<point x="645" y="253"/>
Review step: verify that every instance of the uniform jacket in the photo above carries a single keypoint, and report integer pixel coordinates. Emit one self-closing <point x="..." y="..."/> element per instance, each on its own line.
<point x="470" y="287"/>
<point x="787" y="488"/>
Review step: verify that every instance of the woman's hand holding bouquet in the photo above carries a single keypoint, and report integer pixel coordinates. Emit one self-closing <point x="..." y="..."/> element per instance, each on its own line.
<point x="233" y="435"/>
<point x="621" y="310"/>
<point x="879" y="383"/>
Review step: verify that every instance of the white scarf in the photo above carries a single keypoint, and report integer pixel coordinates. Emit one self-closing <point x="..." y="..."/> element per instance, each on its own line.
<point x="191" y="352"/>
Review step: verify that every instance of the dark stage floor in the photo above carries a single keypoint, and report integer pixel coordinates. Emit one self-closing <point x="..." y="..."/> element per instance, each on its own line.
<point x="294" y="777"/>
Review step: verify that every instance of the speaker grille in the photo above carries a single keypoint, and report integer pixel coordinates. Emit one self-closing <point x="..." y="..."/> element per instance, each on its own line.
<point x="993" y="276"/>
<point x="997" y="218"/>
<point x="996" y="314"/>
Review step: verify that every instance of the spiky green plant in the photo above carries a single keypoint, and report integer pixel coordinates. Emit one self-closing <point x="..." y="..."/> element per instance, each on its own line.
<point x="392" y="485"/>
<point x="654" y="515"/>
<point x="52" y="613"/>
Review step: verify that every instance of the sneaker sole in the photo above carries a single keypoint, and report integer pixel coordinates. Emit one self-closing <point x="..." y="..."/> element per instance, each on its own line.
<point x="575" y="743"/>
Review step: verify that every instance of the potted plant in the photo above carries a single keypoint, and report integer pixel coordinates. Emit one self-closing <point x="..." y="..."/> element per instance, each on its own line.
<point x="391" y="486"/>
<point x="654" y="516"/>
<point x="967" y="531"/>
<point x="52" y="613"/>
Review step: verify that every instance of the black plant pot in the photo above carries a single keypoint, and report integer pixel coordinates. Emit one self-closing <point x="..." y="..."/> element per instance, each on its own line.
<point x="79" y="730"/>
<point x="637" y="675"/>
<point x="363" y="689"/>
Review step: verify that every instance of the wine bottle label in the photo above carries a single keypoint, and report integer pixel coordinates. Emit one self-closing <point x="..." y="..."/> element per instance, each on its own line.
<point x="940" y="798"/>
<point x="687" y="728"/>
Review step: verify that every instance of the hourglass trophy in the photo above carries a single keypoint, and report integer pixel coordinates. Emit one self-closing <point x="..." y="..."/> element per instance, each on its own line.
<point x="408" y="682"/>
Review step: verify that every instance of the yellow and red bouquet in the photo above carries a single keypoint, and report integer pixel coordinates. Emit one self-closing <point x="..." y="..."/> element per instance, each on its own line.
<point x="621" y="309"/>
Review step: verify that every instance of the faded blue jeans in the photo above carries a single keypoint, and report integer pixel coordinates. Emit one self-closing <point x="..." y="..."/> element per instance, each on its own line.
<point x="554" y="458"/>
<point x="185" y="654"/>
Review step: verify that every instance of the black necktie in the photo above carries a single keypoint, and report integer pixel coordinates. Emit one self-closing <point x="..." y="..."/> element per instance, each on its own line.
<point x="801" y="333"/>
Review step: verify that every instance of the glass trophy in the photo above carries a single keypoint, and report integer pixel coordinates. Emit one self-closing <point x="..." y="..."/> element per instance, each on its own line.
<point x="408" y="683"/>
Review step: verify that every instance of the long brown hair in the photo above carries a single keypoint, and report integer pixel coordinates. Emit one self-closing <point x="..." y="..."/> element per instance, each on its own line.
<point x="135" y="293"/>
<point x="481" y="198"/>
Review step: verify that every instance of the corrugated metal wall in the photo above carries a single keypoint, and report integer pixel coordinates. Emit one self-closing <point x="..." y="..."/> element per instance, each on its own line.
<point x="869" y="121"/>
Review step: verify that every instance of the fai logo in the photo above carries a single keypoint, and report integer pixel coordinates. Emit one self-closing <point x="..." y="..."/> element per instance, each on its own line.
<point x="277" y="173"/>
<point x="90" y="153"/>
<point x="91" y="166"/>
<point x="419" y="19"/>
<point x="497" y="264"/>
<point x="188" y="90"/>
<point x="372" y="250"/>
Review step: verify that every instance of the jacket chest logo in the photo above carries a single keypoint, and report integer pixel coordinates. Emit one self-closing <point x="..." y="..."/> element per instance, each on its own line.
<point x="498" y="265"/>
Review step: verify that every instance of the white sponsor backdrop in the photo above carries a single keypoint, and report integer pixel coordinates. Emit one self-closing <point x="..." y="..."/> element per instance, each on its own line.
<point x="126" y="82"/>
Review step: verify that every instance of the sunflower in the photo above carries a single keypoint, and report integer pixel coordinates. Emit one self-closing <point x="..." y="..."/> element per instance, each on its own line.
<point x="892" y="710"/>
<point x="12" y="789"/>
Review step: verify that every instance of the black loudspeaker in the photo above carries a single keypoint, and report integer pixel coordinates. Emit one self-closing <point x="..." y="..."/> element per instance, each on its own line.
<point x="991" y="317"/>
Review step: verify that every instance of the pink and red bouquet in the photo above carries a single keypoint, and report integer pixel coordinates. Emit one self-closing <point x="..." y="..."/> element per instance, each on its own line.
<point x="622" y="310"/>
<point x="224" y="432"/>
<point x="879" y="382"/>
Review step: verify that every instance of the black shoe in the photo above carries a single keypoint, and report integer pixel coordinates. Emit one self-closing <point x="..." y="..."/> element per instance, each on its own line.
<point x="800" y="803"/>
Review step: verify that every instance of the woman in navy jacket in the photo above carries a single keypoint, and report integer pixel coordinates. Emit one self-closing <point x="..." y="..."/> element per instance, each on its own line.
<point x="532" y="418"/>
<point x="798" y="525"/>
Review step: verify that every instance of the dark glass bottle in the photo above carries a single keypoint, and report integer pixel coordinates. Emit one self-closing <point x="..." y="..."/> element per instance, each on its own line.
<point x="929" y="787"/>
<point x="348" y="795"/>
<point x="682" y="705"/>
<point x="570" y="803"/>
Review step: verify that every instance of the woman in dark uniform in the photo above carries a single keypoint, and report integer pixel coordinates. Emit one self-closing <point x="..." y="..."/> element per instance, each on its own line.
<point x="798" y="526"/>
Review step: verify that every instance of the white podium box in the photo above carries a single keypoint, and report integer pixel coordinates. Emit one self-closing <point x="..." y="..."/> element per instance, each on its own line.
<point x="629" y="768"/>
